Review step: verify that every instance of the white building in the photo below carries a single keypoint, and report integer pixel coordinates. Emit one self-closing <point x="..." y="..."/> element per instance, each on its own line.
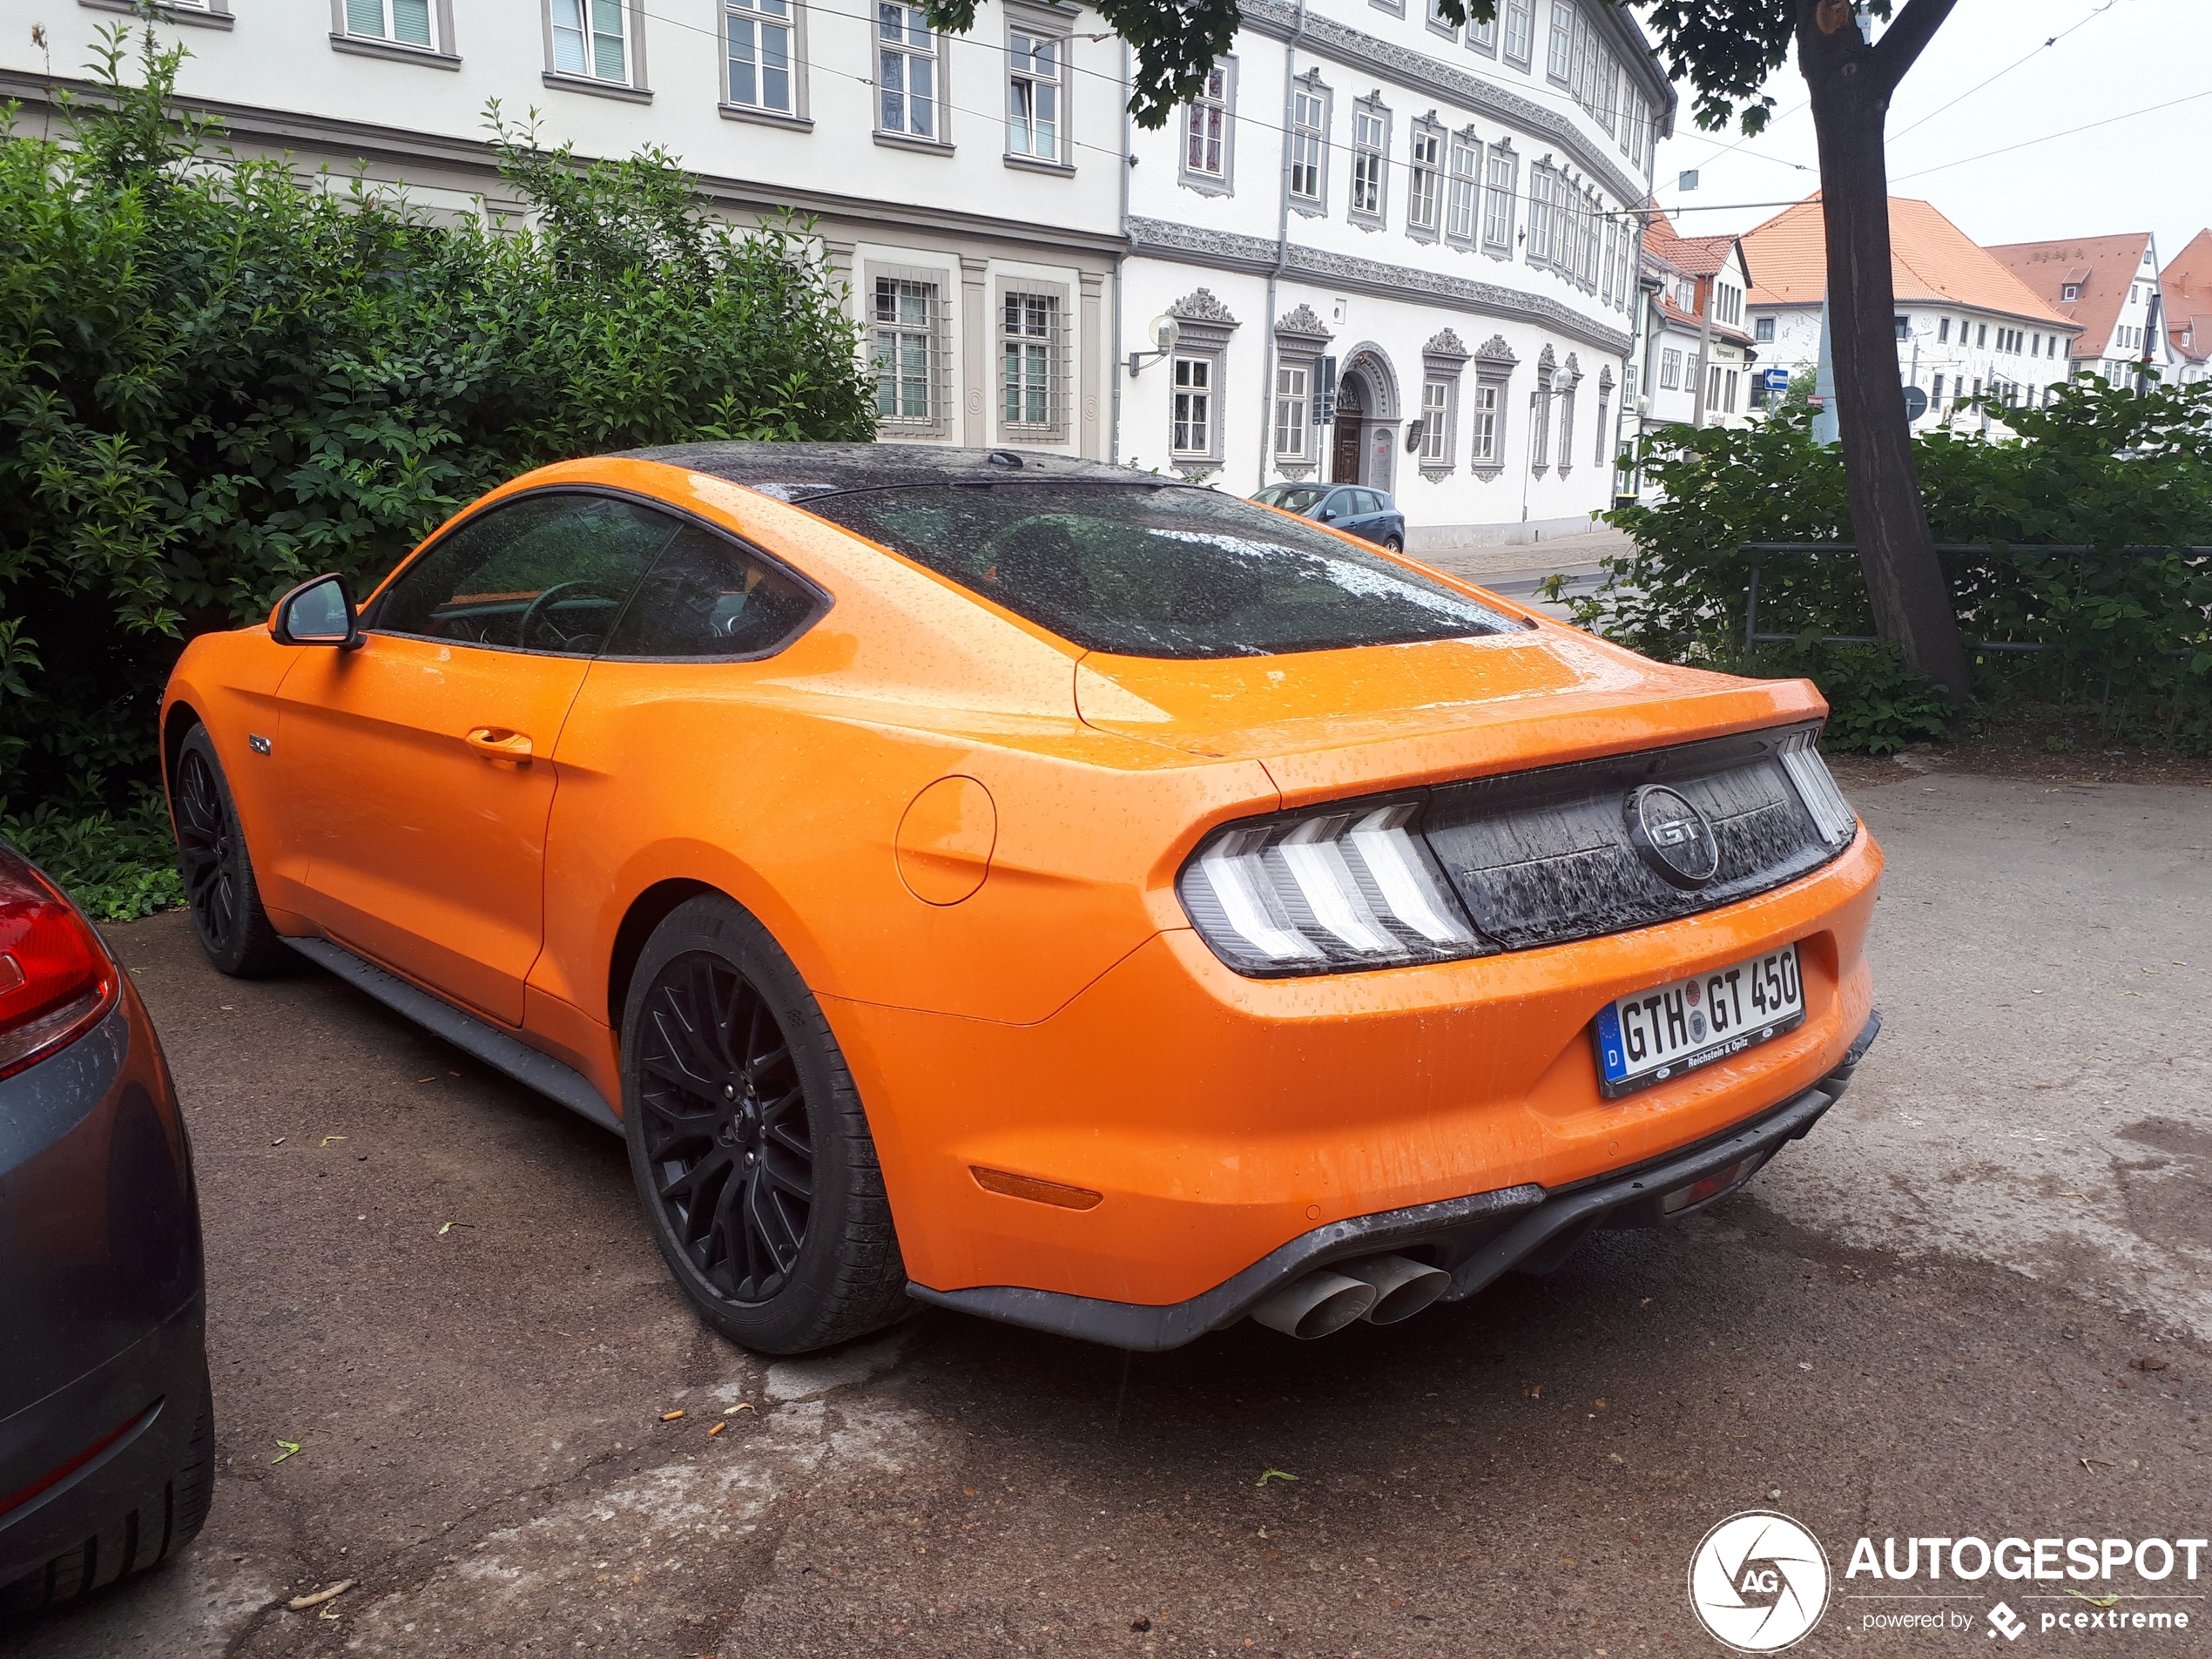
<point x="1966" y="325"/>
<point x="2109" y="286"/>
<point x="1395" y="253"/>
<point x="969" y="185"/>
<point x="1398" y="254"/>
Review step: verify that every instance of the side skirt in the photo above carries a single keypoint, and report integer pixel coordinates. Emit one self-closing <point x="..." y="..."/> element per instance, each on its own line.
<point x="465" y="1031"/>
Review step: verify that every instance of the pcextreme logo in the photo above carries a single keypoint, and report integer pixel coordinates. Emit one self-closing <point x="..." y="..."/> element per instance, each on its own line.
<point x="1759" y="1582"/>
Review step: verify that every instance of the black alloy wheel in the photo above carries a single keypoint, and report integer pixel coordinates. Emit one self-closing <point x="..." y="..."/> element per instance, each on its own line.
<point x="725" y="1127"/>
<point x="747" y="1140"/>
<point x="204" y="850"/>
<point x="220" y="888"/>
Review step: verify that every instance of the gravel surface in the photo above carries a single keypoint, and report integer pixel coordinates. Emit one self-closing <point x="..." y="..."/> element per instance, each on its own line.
<point x="1974" y="1302"/>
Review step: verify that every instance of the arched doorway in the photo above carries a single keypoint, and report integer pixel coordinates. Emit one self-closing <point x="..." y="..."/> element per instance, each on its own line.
<point x="1343" y="459"/>
<point x="1365" y="440"/>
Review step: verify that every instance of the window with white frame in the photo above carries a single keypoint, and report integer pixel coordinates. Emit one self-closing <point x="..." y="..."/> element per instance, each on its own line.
<point x="1763" y="330"/>
<point x="591" y="37"/>
<point x="1520" y="30"/>
<point x="759" y="36"/>
<point x="1370" y="162"/>
<point x="1567" y="427"/>
<point x="1486" y="416"/>
<point x="1497" y="204"/>
<point x="1587" y="210"/>
<point x="1191" y="432"/>
<point x="1483" y="37"/>
<point x="1035" y="65"/>
<point x="1443" y="26"/>
<point x="1030" y="362"/>
<point x="1483" y="419"/>
<point x="406" y="23"/>
<point x="1206" y="131"/>
<point x="906" y="90"/>
<point x="1309" y="144"/>
<point x="1465" y="189"/>
<point x="907" y="322"/>
<point x="1670" y="371"/>
<point x="1436" y="401"/>
<point x="1293" y="405"/>
<point x="1423" y="184"/>
<point x="1560" y="58"/>
<point x="1541" y="214"/>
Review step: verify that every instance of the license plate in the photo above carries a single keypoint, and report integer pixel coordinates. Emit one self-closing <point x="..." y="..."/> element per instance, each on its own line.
<point x="1672" y="1028"/>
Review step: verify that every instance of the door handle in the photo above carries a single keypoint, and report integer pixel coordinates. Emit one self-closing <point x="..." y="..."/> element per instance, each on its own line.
<point x="499" y="743"/>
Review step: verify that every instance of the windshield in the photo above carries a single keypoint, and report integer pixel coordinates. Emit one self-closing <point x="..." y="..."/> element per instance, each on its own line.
<point x="1292" y="498"/>
<point x="1165" y="571"/>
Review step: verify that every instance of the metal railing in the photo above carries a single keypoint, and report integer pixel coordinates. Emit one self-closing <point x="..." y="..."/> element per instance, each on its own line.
<point x="1753" y="637"/>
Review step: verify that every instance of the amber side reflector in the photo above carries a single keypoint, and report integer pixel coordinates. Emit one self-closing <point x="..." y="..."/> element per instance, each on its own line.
<point x="1028" y="1186"/>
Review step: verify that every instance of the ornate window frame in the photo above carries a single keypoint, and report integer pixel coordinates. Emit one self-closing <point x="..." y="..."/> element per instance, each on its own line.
<point x="1426" y="129"/>
<point x="1310" y="86"/>
<point x="1444" y="358"/>
<point x="1204" y="326"/>
<point x="1465" y="143"/>
<point x="1494" y="363"/>
<point x="1500" y="247"/>
<point x="1301" y="338"/>
<point x="1540" y="414"/>
<point x="1376" y="154"/>
<point x="1210" y="184"/>
<point x="1571" y="375"/>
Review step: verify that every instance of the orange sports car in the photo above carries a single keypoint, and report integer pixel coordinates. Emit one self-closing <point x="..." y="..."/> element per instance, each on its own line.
<point x="1038" y="887"/>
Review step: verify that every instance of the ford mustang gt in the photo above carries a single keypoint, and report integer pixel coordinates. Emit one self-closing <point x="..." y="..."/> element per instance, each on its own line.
<point x="1038" y="887"/>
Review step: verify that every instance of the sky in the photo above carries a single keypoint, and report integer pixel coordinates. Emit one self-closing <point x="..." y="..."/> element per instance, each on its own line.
<point x="2151" y="171"/>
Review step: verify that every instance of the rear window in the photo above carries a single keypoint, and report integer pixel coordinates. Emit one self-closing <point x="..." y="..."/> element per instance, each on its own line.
<point x="1167" y="571"/>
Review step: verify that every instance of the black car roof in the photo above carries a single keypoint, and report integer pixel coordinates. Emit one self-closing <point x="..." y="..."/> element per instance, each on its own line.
<point x="796" y="472"/>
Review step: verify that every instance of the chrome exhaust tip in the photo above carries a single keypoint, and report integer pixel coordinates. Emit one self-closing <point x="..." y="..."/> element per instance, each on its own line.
<point x="1402" y="1286"/>
<point x="1317" y="1306"/>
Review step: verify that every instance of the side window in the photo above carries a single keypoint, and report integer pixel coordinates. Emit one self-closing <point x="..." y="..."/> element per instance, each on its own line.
<point x="706" y="597"/>
<point x="546" y="573"/>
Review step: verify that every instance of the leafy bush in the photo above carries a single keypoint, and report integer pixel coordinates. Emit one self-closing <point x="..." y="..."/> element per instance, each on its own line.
<point x="217" y="377"/>
<point x="118" y="869"/>
<point x="2108" y="467"/>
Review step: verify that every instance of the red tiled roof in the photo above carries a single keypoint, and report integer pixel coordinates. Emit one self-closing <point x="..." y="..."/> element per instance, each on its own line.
<point x="1700" y="256"/>
<point x="2105" y="267"/>
<point x="2187" y="285"/>
<point x="1932" y="261"/>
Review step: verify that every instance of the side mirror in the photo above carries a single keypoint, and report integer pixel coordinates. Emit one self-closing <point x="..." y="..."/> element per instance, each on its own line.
<point x="317" y="612"/>
<point x="1327" y="515"/>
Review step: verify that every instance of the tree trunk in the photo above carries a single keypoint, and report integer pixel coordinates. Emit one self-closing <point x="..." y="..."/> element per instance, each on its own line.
<point x="1850" y="83"/>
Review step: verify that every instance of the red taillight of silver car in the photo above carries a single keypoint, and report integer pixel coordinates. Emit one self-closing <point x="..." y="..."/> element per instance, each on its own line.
<point x="57" y="980"/>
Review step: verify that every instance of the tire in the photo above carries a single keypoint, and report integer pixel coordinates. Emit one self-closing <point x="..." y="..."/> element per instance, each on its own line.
<point x="225" y="902"/>
<point x="748" y="1142"/>
<point x="153" y="1529"/>
<point x="1393" y="544"/>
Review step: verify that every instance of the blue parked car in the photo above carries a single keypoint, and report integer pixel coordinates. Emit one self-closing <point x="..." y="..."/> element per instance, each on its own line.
<point x="1354" y="509"/>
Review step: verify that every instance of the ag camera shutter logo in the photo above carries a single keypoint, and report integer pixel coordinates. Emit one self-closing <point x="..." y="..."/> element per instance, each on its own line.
<point x="1759" y="1582"/>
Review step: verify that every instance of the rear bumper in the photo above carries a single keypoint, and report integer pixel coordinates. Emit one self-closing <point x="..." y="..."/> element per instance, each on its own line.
<point x="103" y="1361"/>
<point x="1475" y="1239"/>
<point x="104" y="1447"/>
<point x="1212" y="1119"/>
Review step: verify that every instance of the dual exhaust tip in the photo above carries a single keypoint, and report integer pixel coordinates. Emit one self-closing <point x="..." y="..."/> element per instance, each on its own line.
<point x="1381" y="1289"/>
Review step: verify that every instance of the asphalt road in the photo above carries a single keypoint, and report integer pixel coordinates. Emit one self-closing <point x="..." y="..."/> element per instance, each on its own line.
<point x="1975" y="1302"/>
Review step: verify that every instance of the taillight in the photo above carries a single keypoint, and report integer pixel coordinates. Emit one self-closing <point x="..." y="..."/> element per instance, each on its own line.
<point x="55" y="978"/>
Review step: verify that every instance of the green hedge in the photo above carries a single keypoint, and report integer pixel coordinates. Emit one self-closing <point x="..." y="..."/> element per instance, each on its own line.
<point x="219" y="377"/>
<point x="2103" y="467"/>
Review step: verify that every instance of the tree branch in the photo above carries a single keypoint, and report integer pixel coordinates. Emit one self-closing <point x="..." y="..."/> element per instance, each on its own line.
<point x="1903" y="42"/>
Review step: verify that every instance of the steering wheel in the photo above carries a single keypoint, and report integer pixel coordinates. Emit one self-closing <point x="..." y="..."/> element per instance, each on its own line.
<point x="537" y="613"/>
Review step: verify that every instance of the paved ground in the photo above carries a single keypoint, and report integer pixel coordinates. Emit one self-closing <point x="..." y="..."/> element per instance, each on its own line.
<point x="1517" y="572"/>
<point x="1976" y="1302"/>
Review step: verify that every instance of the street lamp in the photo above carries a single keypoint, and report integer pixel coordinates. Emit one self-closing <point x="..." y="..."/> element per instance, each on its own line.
<point x="1164" y="331"/>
